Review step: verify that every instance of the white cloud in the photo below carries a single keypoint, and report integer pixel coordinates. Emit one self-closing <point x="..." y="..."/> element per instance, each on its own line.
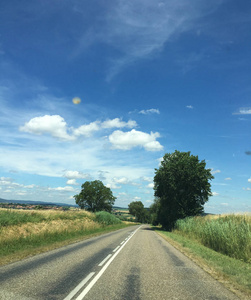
<point x="215" y="172"/>
<point x="62" y="189"/>
<point x="86" y="130"/>
<point x="150" y="185"/>
<point x="215" y="194"/>
<point x="128" y="140"/>
<point x="136" y="198"/>
<point x="249" y="180"/>
<point x="243" y="111"/>
<point x="54" y="125"/>
<point x="117" y="123"/>
<point x="247" y="189"/>
<point x="228" y="178"/>
<point x="122" y="180"/>
<point x="149" y="111"/>
<point x="189" y="106"/>
<point x="72" y="182"/>
<point x="113" y="186"/>
<point x="75" y="175"/>
<point x="142" y="28"/>
<point x="148" y="179"/>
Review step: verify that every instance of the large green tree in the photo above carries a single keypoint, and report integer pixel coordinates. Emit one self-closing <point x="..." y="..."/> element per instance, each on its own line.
<point x="181" y="187"/>
<point x="95" y="196"/>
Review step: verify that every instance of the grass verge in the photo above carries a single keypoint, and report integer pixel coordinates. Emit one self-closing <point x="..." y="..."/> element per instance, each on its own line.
<point x="31" y="233"/>
<point x="234" y="274"/>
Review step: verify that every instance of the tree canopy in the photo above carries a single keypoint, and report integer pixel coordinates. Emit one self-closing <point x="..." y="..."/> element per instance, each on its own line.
<point x="95" y="196"/>
<point x="136" y="208"/>
<point x="181" y="187"/>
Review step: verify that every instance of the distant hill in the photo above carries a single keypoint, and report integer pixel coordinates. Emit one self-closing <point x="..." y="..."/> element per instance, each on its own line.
<point x="35" y="202"/>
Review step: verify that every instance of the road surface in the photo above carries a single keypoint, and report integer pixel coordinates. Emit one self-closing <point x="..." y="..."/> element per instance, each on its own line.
<point x="133" y="263"/>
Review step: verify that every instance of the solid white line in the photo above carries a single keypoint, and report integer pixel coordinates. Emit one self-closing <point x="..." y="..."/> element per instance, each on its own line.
<point x="116" y="249"/>
<point x="95" y="279"/>
<point x="103" y="261"/>
<point x="78" y="287"/>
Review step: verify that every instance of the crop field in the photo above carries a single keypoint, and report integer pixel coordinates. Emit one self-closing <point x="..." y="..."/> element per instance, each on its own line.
<point x="227" y="234"/>
<point x="25" y="232"/>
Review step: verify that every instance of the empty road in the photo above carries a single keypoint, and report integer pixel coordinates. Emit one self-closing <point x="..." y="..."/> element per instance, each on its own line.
<point x="133" y="263"/>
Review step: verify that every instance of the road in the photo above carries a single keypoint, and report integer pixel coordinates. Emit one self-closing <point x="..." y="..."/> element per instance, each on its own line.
<point x="134" y="263"/>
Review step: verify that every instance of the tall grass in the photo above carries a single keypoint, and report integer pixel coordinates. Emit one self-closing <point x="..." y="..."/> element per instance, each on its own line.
<point x="10" y="217"/>
<point x="230" y="234"/>
<point x="21" y="231"/>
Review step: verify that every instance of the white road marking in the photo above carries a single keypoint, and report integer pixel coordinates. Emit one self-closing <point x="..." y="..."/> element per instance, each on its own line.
<point x="78" y="287"/>
<point x="116" y="249"/>
<point x="103" y="261"/>
<point x="95" y="279"/>
<point x="122" y="243"/>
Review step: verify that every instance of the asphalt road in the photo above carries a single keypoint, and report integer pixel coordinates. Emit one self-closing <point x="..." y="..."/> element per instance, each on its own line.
<point x="134" y="263"/>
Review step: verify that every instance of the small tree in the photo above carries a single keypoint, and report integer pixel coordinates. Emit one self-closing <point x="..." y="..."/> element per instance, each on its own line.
<point x="181" y="186"/>
<point x="95" y="196"/>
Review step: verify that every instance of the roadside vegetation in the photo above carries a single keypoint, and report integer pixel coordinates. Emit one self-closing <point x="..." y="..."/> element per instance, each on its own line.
<point x="229" y="234"/>
<point x="219" y="244"/>
<point x="23" y="233"/>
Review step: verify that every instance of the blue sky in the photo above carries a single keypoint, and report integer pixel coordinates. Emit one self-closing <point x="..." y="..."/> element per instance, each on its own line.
<point x="152" y="77"/>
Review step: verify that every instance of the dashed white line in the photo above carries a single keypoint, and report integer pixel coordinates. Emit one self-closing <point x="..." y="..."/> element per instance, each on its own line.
<point x="103" y="261"/>
<point x="95" y="279"/>
<point x="116" y="249"/>
<point x="78" y="287"/>
<point x="110" y="258"/>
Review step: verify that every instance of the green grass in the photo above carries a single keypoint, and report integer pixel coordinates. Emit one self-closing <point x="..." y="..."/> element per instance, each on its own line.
<point x="35" y="241"/>
<point x="229" y="235"/>
<point x="106" y="218"/>
<point x="10" y="217"/>
<point x="236" y="271"/>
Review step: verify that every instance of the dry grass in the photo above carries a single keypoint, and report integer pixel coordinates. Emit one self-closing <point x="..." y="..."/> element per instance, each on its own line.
<point x="24" y="232"/>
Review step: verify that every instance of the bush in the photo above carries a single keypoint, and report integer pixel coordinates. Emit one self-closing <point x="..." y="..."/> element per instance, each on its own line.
<point x="106" y="218"/>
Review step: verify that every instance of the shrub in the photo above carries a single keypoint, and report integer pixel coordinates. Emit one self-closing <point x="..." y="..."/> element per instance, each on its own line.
<point x="106" y="218"/>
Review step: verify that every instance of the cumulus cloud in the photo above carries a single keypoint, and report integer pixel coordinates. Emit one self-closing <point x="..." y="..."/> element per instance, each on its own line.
<point x="128" y="140"/>
<point x="62" y="189"/>
<point x="122" y="180"/>
<point x="54" y="125"/>
<point x="215" y="172"/>
<point x="72" y="182"/>
<point x="149" y="111"/>
<point x="243" y="111"/>
<point x="57" y="127"/>
<point x="75" y="175"/>
<point x="249" y="180"/>
<point x="87" y="129"/>
<point x="150" y="185"/>
<point x="118" y="123"/>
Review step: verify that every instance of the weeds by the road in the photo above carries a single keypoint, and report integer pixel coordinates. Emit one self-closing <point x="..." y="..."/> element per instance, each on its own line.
<point x="234" y="273"/>
<point x="27" y="232"/>
<point x="229" y="234"/>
